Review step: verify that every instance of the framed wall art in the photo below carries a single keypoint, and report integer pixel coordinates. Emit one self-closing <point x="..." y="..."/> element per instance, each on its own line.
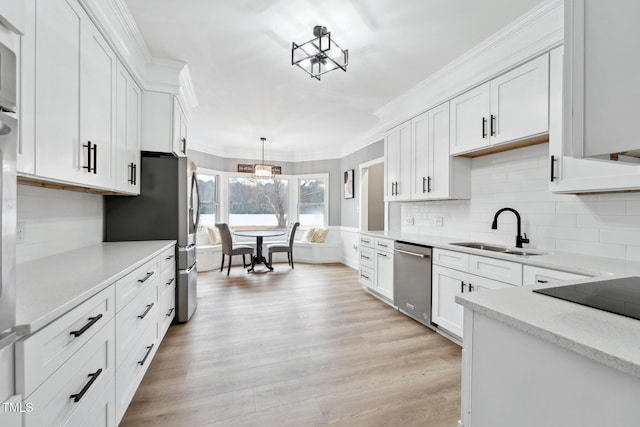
<point x="348" y="184"/>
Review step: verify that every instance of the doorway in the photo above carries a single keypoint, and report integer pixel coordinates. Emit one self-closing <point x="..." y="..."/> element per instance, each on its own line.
<point x="372" y="206"/>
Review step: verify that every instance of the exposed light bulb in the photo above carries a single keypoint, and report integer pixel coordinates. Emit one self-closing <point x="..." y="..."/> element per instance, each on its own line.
<point x="305" y="63"/>
<point x="336" y="52"/>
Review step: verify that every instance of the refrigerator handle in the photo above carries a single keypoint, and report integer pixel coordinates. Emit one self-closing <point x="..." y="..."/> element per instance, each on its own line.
<point x="197" y="199"/>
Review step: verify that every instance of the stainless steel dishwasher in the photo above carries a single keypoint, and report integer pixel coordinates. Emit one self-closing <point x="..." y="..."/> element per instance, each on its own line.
<point x="412" y="281"/>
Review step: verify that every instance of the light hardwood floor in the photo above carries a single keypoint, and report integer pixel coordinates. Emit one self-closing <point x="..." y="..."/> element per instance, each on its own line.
<point x="302" y="347"/>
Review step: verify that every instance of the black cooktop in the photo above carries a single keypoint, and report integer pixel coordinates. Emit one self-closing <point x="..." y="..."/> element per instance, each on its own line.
<point x="619" y="296"/>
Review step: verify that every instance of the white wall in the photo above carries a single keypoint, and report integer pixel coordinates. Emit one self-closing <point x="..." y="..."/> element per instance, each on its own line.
<point x="57" y="221"/>
<point x="605" y="225"/>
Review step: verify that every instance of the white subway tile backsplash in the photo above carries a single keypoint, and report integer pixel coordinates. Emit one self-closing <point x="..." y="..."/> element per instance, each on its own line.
<point x="602" y="225"/>
<point x="57" y="221"/>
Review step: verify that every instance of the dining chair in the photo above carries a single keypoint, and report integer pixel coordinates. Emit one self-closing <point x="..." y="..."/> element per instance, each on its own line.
<point x="228" y="248"/>
<point x="286" y="246"/>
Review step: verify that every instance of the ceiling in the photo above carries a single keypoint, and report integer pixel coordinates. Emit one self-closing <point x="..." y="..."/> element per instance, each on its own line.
<point x="239" y="56"/>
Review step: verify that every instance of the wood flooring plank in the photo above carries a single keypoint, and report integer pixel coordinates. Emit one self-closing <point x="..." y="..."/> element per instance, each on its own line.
<point x="297" y="347"/>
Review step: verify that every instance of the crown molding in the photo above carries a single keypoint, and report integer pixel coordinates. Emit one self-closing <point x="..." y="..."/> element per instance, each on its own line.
<point x="114" y="20"/>
<point x="531" y="35"/>
<point x="270" y="155"/>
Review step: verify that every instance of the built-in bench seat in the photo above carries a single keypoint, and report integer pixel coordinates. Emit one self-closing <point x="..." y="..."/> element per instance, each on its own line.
<point x="209" y="255"/>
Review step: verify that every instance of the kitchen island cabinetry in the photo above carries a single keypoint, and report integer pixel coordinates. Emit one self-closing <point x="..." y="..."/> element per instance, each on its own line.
<point x="531" y="360"/>
<point x="512" y="107"/>
<point x="90" y="336"/>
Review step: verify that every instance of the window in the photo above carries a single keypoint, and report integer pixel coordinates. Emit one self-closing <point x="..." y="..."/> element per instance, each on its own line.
<point x="312" y="209"/>
<point x="258" y="203"/>
<point x="208" y="199"/>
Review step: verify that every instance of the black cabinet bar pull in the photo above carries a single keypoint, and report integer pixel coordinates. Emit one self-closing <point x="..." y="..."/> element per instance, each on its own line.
<point x="76" y="397"/>
<point x="493" y="125"/>
<point x="470" y="287"/>
<point x="428" y="184"/>
<point x="169" y="257"/>
<point x="170" y="281"/>
<point x="144" y="359"/>
<point x="170" y="311"/>
<point x="364" y="275"/>
<point x="553" y="163"/>
<point x="92" y="321"/>
<point x="149" y="307"/>
<point x="95" y="159"/>
<point x="461" y="286"/>
<point x="145" y="278"/>
<point x="88" y="145"/>
<point x="542" y="281"/>
<point x="484" y="127"/>
<point x="184" y="145"/>
<point x="381" y="254"/>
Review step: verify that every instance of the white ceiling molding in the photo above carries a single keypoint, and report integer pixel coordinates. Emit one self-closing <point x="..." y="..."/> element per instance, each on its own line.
<point x="270" y="155"/>
<point x="116" y="23"/>
<point x="532" y="34"/>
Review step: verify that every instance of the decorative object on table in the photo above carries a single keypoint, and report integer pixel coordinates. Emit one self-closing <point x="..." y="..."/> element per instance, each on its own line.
<point x="348" y="184"/>
<point x="320" y="54"/>
<point x="286" y="247"/>
<point x="228" y="248"/>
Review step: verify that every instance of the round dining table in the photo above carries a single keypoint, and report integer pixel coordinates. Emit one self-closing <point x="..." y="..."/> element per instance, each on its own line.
<point x="258" y="258"/>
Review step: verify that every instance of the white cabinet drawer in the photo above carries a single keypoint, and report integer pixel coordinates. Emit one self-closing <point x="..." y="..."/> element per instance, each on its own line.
<point x="129" y="286"/>
<point x="167" y="311"/>
<point x="384" y="244"/>
<point x="167" y="258"/>
<point x="366" y="241"/>
<point x="84" y="381"/>
<point x="133" y="319"/>
<point x="366" y="277"/>
<point x="168" y="274"/>
<point x="536" y="275"/>
<point x="40" y="355"/>
<point x="497" y="269"/>
<point x="132" y="367"/>
<point x="451" y="259"/>
<point x="367" y="257"/>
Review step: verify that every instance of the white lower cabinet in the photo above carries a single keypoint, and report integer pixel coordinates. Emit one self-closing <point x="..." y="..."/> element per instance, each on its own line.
<point x="84" y="368"/>
<point x="376" y="265"/>
<point x="454" y="273"/>
<point x="538" y="275"/>
<point x="84" y="382"/>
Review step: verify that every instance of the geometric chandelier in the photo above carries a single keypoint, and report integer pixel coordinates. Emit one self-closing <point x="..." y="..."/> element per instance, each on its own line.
<point x="320" y="54"/>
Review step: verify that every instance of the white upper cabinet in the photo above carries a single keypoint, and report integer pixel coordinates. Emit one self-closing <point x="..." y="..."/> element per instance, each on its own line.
<point x="569" y="174"/>
<point x="417" y="161"/>
<point x="164" y="124"/>
<point x="512" y="107"/>
<point x="75" y="72"/>
<point x="435" y="174"/>
<point x="97" y="107"/>
<point x="602" y="42"/>
<point x="470" y="120"/>
<point x="397" y="165"/>
<point x="520" y="102"/>
<point x="128" y="108"/>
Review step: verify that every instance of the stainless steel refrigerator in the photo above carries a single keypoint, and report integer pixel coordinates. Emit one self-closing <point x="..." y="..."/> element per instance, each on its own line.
<point x="166" y="209"/>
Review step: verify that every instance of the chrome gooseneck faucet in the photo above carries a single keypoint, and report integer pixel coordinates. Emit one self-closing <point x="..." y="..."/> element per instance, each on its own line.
<point x="519" y="239"/>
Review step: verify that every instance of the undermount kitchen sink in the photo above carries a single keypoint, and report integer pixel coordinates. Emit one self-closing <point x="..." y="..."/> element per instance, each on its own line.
<point x="499" y="249"/>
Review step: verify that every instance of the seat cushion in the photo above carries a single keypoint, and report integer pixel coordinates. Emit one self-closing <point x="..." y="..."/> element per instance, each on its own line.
<point x="241" y="249"/>
<point x="278" y="248"/>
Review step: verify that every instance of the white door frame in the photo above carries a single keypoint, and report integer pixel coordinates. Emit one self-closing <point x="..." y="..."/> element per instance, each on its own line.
<point x="363" y="220"/>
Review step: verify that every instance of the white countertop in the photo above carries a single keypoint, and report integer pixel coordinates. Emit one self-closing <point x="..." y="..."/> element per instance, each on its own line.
<point x="607" y="338"/>
<point x="49" y="287"/>
<point x="564" y="261"/>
